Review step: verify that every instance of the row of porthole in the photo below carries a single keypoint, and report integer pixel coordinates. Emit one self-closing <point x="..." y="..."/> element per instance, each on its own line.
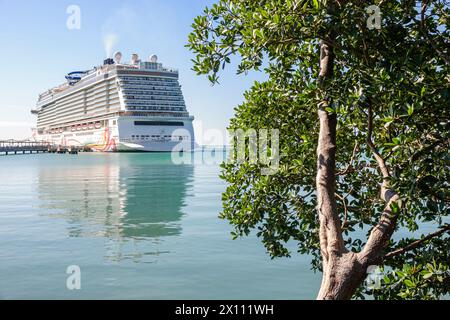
<point x="155" y="79"/>
<point x="146" y="137"/>
<point x="80" y="127"/>
<point x="154" y="109"/>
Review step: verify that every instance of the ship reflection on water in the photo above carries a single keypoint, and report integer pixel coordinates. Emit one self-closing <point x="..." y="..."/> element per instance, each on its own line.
<point x="132" y="202"/>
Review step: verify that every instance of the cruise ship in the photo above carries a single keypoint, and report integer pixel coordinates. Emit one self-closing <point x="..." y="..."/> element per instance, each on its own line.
<point x="135" y="106"/>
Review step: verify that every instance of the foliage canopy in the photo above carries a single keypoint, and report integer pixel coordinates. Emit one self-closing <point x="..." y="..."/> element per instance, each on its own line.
<point x="400" y="70"/>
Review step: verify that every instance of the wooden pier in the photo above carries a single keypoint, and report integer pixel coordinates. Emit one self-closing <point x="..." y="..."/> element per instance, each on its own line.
<point x="8" y="147"/>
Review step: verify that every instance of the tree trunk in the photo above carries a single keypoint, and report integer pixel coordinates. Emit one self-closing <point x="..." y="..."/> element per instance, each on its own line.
<point x="343" y="271"/>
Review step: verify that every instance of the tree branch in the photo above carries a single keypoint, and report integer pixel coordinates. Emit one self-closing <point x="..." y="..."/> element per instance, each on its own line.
<point x="417" y="243"/>
<point x="382" y="232"/>
<point x="380" y="161"/>
<point x="350" y="164"/>
<point x="343" y="199"/>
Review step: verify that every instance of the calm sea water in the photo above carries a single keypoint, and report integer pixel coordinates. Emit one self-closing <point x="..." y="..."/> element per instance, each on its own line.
<point x="138" y="226"/>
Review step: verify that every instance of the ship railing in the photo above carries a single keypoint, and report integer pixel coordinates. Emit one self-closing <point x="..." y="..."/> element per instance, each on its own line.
<point x="169" y="69"/>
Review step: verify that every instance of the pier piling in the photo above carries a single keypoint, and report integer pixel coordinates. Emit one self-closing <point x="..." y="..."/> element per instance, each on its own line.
<point x="8" y="147"/>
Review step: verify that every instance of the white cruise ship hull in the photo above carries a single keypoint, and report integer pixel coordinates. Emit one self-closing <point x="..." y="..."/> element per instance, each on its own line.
<point x="132" y="134"/>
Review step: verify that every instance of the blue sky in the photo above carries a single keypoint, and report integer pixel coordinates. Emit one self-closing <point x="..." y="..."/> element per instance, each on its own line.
<point x="37" y="50"/>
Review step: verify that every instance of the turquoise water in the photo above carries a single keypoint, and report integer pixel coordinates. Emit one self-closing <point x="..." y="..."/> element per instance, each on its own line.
<point x="138" y="226"/>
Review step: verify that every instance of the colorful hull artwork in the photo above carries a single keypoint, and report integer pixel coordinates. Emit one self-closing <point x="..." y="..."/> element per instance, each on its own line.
<point x="99" y="140"/>
<point x="105" y="144"/>
<point x="108" y="144"/>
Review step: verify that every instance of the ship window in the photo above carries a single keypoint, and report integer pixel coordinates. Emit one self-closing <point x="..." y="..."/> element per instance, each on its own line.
<point x="158" y="123"/>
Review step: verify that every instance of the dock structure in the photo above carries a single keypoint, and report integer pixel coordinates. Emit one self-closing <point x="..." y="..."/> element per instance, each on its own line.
<point x="8" y="147"/>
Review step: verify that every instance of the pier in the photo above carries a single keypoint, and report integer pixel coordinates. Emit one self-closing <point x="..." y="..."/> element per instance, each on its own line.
<point x="9" y="147"/>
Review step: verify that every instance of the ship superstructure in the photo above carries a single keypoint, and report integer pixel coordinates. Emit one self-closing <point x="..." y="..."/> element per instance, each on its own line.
<point x="135" y="106"/>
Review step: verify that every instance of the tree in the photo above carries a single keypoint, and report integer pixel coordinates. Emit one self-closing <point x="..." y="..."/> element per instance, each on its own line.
<point x="363" y="113"/>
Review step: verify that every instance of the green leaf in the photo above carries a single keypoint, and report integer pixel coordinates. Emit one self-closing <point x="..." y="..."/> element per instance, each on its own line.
<point x="428" y="275"/>
<point x="316" y="4"/>
<point x="409" y="283"/>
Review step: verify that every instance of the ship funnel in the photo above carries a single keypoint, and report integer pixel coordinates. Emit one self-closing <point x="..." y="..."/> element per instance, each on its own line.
<point x="153" y="58"/>
<point x="117" y="57"/>
<point x="134" y="58"/>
